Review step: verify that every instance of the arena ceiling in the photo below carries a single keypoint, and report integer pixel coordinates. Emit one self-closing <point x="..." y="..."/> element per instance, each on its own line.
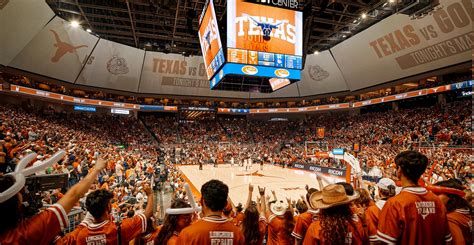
<point x="171" y="25"/>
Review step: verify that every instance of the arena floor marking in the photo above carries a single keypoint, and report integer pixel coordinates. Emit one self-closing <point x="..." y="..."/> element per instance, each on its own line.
<point x="286" y="182"/>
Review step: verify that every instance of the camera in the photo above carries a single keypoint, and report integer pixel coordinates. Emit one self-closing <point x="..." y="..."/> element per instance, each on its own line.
<point x="35" y="185"/>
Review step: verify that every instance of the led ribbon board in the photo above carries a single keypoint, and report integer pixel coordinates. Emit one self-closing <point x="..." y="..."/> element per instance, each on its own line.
<point x="258" y="71"/>
<point x="84" y="108"/>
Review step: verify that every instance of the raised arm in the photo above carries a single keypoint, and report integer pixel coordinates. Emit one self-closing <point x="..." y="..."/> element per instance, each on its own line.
<point x="266" y="206"/>
<point x="249" y="197"/>
<point x="78" y="190"/>
<point x="290" y="206"/>
<point x="149" y="205"/>
<point x="274" y="195"/>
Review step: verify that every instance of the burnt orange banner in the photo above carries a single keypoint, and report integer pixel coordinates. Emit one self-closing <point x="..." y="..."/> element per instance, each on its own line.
<point x="321" y="154"/>
<point x="356" y="147"/>
<point x="320" y="133"/>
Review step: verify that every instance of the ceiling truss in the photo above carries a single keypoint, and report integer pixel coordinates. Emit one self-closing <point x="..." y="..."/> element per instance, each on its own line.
<point x="171" y="25"/>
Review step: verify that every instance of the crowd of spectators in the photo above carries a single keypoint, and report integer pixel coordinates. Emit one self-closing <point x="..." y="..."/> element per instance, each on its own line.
<point x="443" y="133"/>
<point x="125" y="159"/>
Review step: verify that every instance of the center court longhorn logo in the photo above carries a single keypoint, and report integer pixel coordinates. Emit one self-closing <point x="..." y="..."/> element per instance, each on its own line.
<point x="62" y="48"/>
<point x="257" y="174"/>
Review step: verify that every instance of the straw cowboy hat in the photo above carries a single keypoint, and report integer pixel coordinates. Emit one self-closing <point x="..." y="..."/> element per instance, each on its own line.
<point x="279" y="207"/>
<point x="331" y="196"/>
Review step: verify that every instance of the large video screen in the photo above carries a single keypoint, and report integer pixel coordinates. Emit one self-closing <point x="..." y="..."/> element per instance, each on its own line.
<point x="210" y="40"/>
<point x="264" y="35"/>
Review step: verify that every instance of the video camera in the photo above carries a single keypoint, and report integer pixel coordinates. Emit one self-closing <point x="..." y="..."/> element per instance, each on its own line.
<point x="35" y="185"/>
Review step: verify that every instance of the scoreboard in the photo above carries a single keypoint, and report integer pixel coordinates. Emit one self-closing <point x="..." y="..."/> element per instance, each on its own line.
<point x="210" y="40"/>
<point x="264" y="58"/>
<point x="259" y="34"/>
<point x="262" y="41"/>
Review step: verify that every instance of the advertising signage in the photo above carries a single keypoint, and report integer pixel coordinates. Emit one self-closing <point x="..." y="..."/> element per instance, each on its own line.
<point x="338" y="151"/>
<point x="84" y="108"/>
<point x="325" y="170"/>
<point x="210" y="41"/>
<point x="287" y="4"/>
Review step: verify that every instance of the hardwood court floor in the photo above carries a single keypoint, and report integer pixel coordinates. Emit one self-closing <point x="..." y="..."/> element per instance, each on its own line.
<point x="285" y="182"/>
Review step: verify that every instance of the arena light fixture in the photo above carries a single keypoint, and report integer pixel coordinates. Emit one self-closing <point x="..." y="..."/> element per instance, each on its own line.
<point x="364" y="16"/>
<point x="75" y="23"/>
<point x="391" y="1"/>
<point x="88" y="30"/>
<point x="316" y="52"/>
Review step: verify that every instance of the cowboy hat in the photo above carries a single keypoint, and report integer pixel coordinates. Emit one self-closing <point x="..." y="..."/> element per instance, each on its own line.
<point x="331" y="195"/>
<point x="279" y="207"/>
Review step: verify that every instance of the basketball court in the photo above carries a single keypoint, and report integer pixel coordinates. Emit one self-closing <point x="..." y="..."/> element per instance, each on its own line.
<point x="285" y="182"/>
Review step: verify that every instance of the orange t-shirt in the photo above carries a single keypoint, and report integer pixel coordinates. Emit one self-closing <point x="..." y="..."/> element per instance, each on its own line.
<point x="302" y="223"/>
<point x="128" y="172"/>
<point x="210" y="230"/>
<point x="106" y="232"/>
<point x="173" y="239"/>
<point x="415" y="216"/>
<point x="355" y="234"/>
<point x="238" y="219"/>
<point x="39" y="229"/>
<point x="460" y="225"/>
<point x="276" y="231"/>
<point x="149" y="239"/>
<point x="372" y="219"/>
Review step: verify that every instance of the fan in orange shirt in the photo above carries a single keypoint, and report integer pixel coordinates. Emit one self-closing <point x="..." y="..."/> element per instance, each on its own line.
<point x="459" y="210"/>
<point x="415" y="216"/>
<point x="213" y="228"/>
<point x="336" y="223"/>
<point x="280" y="222"/>
<point x="173" y="224"/>
<point x="44" y="226"/>
<point x="386" y="189"/>
<point x="148" y="238"/>
<point x="98" y="228"/>
<point x="304" y="220"/>
<point x="239" y="216"/>
<point x="254" y="224"/>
